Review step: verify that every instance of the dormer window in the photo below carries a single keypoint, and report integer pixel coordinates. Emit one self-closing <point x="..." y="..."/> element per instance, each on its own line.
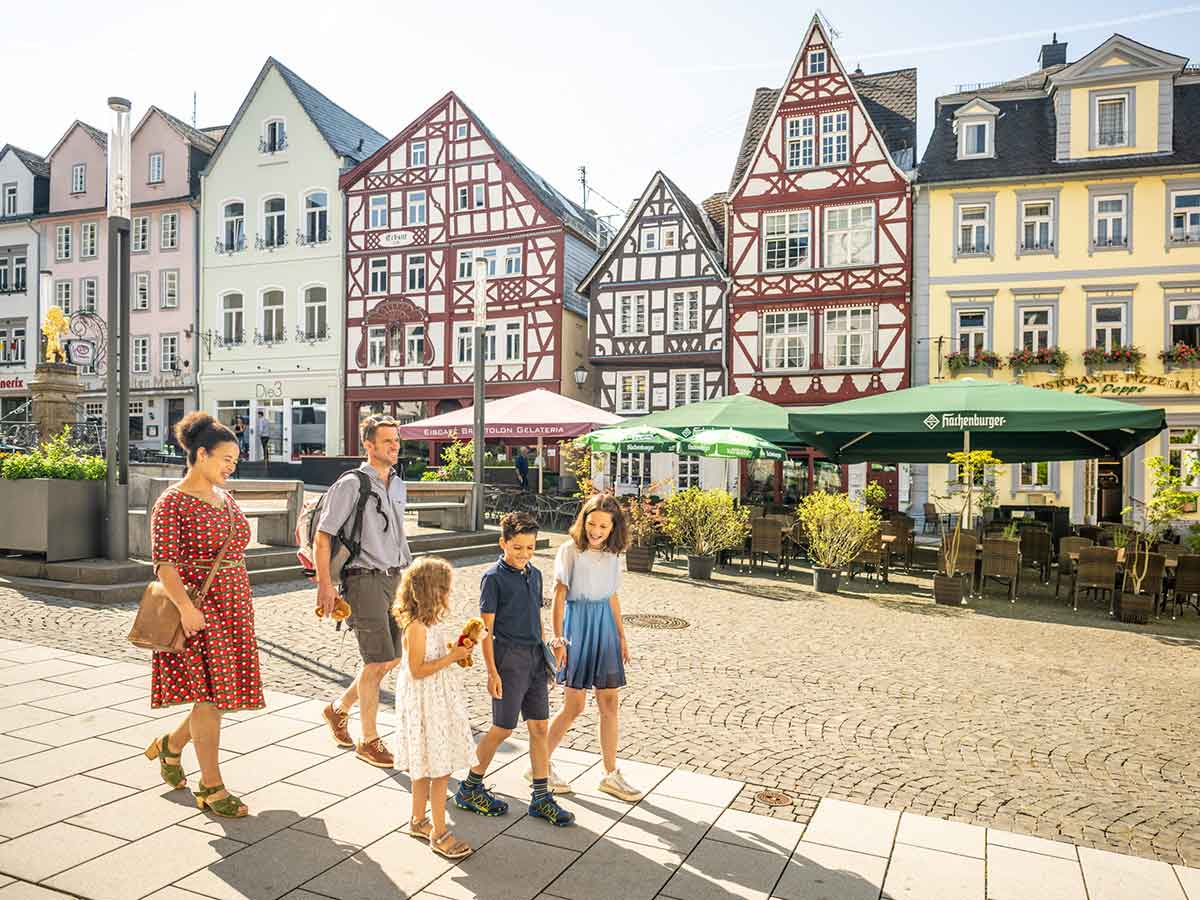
<point x="416" y="153"/>
<point x="975" y="125"/>
<point x="1111" y="121"/>
<point x="10" y="199"/>
<point x="275" y="137"/>
<point x="78" y="178"/>
<point x="817" y="62"/>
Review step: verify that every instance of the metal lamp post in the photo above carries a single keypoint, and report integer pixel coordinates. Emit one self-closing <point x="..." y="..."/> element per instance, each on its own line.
<point x="117" y="373"/>
<point x="481" y="279"/>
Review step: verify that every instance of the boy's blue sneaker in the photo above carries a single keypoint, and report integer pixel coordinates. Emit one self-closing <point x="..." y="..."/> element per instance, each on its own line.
<point x="479" y="800"/>
<point x="547" y="808"/>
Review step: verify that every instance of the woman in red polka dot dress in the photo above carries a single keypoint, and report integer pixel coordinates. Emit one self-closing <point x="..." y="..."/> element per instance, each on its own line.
<point x="218" y="670"/>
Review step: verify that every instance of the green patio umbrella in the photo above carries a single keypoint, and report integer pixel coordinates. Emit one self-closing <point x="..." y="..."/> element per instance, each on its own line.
<point x="1017" y="423"/>
<point x="633" y="438"/>
<point x="729" y="443"/>
<point x="740" y="411"/>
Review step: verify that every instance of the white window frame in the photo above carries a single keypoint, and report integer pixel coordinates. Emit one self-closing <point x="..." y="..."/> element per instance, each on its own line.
<point x="233" y="318"/>
<point x="1094" y="326"/>
<point x="12" y="351"/>
<point x="512" y="260"/>
<point x="478" y="196"/>
<point x="89" y="294"/>
<point x="972" y="249"/>
<point x="514" y="341"/>
<point x="415" y="273"/>
<point x="274" y="222"/>
<point x="62" y="243"/>
<point x="638" y="404"/>
<point x="168" y="231"/>
<point x="378" y="212"/>
<point x="316" y="312"/>
<point x="687" y="472"/>
<point x="378" y="275"/>
<point x="855" y="256"/>
<point x="63" y="296"/>
<point x="835" y="138"/>
<point x="273" y="319"/>
<point x="649" y="240"/>
<point x="834" y="357"/>
<point x="1037" y="221"/>
<point x="694" y="386"/>
<point x="316" y="218"/>
<point x="415" y="208"/>
<point x="377" y="347"/>
<point x="800" y="136"/>
<point x="461" y="131"/>
<point x="168" y="289"/>
<point x="154" y="175"/>
<point x="233" y="226"/>
<point x="418" y="153"/>
<point x="275" y="135"/>
<point x="797" y="227"/>
<point x="978" y="337"/>
<point x="79" y="178"/>
<point x="11" y="204"/>
<point x="414" y="346"/>
<point x="168" y="352"/>
<point x="632" y="315"/>
<point x="1100" y="100"/>
<point x="140" y="291"/>
<point x="89" y="240"/>
<point x="817" y="63"/>
<point x="1187" y="231"/>
<point x="466" y="265"/>
<point x="1108" y="218"/>
<point x="462" y="197"/>
<point x="141" y="354"/>
<point x="691" y="301"/>
<point x="965" y="149"/>
<point x="464" y="345"/>
<point x="1035" y="330"/>
<point x="782" y="332"/>
<point x="19" y="272"/>
<point x="1025" y="483"/>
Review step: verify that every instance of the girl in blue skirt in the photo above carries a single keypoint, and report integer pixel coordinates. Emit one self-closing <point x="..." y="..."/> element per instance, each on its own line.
<point x="589" y="639"/>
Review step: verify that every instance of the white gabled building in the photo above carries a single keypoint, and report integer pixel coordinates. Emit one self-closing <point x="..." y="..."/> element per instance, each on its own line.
<point x="273" y="266"/>
<point x="24" y="193"/>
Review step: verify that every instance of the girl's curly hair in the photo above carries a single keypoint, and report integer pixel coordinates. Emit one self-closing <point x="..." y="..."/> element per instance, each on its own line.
<point x="424" y="594"/>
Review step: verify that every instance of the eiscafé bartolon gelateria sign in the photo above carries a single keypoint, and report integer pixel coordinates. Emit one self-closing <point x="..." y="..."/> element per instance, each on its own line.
<point x="1120" y="384"/>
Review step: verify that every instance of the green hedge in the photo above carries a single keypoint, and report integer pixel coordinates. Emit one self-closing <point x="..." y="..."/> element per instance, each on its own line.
<point x="55" y="458"/>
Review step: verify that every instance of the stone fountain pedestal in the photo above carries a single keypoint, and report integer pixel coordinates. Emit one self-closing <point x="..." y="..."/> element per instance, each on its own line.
<point x="54" y="390"/>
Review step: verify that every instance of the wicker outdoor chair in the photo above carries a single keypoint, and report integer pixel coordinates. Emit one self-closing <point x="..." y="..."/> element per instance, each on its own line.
<point x="1096" y="571"/>
<point x="1002" y="561"/>
<point x="1152" y="584"/>
<point x="872" y="557"/>
<point x="902" y="547"/>
<point x="1091" y="532"/>
<point x="1066" y="565"/>
<point x="931" y="518"/>
<point x="1036" y="548"/>
<point x="1186" y="589"/>
<point x="766" y="539"/>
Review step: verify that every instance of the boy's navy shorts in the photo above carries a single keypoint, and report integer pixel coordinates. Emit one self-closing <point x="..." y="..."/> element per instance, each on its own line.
<point x="525" y="685"/>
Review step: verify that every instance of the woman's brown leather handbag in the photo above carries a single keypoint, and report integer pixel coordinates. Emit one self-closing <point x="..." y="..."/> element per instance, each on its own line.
<point x="157" y="625"/>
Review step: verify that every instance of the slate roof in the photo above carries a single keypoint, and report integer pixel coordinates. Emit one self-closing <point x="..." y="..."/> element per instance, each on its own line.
<point x="696" y="219"/>
<point x="890" y="99"/>
<point x="95" y="134"/>
<point x="581" y="220"/>
<point x="1026" y="143"/>
<point x="347" y="135"/>
<point x="198" y="139"/>
<point x="714" y="208"/>
<point x="34" y="163"/>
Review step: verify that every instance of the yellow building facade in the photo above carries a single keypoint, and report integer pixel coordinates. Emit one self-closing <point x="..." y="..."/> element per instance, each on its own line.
<point x="1058" y="235"/>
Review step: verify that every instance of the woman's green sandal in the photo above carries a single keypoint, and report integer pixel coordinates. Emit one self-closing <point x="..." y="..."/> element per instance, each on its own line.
<point x="172" y="773"/>
<point x="228" y="807"/>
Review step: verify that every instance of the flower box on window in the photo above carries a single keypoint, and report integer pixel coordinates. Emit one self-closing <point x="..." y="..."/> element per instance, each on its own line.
<point x="1117" y="356"/>
<point x="1180" y="356"/>
<point x="1046" y="358"/>
<point x="984" y="359"/>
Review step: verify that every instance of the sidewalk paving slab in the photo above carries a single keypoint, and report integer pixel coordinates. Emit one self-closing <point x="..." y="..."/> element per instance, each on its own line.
<point x="593" y="818"/>
<point x="343" y="775"/>
<point x="140" y="814"/>
<point x="38" y="807"/>
<point x="141" y="773"/>
<point x="698" y="787"/>
<point x="69" y="729"/>
<point x="314" y="740"/>
<point x="40" y="854"/>
<point x="1020" y="875"/>
<point x="819" y="872"/>
<point x="617" y="870"/>
<point x="717" y="871"/>
<point x="916" y="873"/>
<point x="98" y="676"/>
<point x="643" y="776"/>
<point x="743" y="829"/>
<point x="272" y="808"/>
<point x="259" y="768"/>
<point x="31" y="692"/>
<point x="863" y="829"/>
<point x="57" y="763"/>
<point x="23" y="716"/>
<point x="269" y="869"/>
<point x="1190" y="880"/>
<point x="15" y="748"/>
<point x="667" y="823"/>
<point x="23" y="890"/>
<point x="362" y="819"/>
<point x="942" y="834"/>
<point x="1031" y="844"/>
<point x="1114" y="876"/>
<point x="395" y="865"/>
<point x="507" y="868"/>
<point x="261" y="731"/>
<point x="107" y="695"/>
<point x="44" y="669"/>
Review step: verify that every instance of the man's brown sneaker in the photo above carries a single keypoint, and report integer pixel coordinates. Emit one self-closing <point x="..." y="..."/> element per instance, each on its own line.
<point x="376" y="753"/>
<point x="338" y="723"/>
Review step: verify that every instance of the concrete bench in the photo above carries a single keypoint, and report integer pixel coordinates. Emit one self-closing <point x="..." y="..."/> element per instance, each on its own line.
<point x="442" y="504"/>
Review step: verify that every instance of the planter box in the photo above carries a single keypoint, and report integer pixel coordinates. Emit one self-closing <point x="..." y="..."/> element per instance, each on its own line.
<point x="825" y="581"/>
<point x="700" y="567"/>
<point x="59" y="518"/>
<point x="948" y="590"/>
<point x="639" y="559"/>
<point x="1134" y="608"/>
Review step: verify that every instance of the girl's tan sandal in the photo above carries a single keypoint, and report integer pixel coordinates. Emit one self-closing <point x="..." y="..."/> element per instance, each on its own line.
<point x="449" y="846"/>
<point x="420" y="830"/>
<point x="228" y="807"/>
<point x="172" y="773"/>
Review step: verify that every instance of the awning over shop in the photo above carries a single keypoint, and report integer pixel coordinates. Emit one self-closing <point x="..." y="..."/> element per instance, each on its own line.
<point x="1017" y="423"/>
<point x="533" y="415"/>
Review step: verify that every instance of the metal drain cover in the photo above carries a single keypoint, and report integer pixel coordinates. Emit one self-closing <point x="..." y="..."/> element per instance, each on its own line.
<point x="653" y="621"/>
<point x="773" y="798"/>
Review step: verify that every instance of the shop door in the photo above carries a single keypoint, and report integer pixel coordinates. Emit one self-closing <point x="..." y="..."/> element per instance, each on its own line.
<point x="1109" y="494"/>
<point x="174" y="415"/>
<point x="273" y="409"/>
<point x="888" y="475"/>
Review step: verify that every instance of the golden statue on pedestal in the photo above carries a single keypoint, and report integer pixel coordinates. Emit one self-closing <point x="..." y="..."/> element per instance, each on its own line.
<point x="53" y="328"/>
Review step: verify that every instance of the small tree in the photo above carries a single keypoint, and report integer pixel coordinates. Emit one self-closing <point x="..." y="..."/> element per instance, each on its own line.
<point x="973" y="465"/>
<point x="645" y="521"/>
<point x="705" y="522"/>
<point x="580" y="462"/>
<point x="1153" y="517"/>
<point x="458" y="464"/>
<point x="874" y="495"/>
<point x="836" y="529"/>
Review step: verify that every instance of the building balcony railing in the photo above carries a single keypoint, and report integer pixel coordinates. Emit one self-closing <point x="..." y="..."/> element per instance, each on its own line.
<point x="308" y="239"/>
<point x="272" y="146"/>
<point x="1036" y="246"/>
<point x="15" y="289"/>
<point x="1185" y="236"/>
<point x="270" y="241"/>
<point x="305" y="336"/>
<point x="1118" y="241"/>
<point x="271" y="337"/>
<point x="1114" y="137"/>
<point x="975" y="248"/>
<point x="235" y="247"/>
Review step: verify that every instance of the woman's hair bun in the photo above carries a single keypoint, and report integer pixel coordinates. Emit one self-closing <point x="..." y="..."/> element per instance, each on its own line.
<point x="191" y="427"/>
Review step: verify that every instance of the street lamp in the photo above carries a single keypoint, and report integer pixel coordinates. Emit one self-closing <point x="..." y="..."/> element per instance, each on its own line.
<point x="117" y="374"/>
<point x="481" y="277"/>
<point x="581" y="376"/>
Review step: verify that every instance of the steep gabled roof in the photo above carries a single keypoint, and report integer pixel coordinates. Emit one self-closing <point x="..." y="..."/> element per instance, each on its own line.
<point x="198" y="139"/>
<point x="90" y="130"/>
<point x="714" y="208"/>
<point x="695" y="220"/>
<point x="761" y="108"/>
<point x="37" y="165"/>
<point x="346" y="135"/>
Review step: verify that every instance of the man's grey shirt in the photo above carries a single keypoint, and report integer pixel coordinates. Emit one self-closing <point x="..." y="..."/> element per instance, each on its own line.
<point x="380" y="549"/>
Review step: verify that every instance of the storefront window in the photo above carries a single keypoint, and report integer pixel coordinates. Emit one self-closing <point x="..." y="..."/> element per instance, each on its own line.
<point x="795" y="480"/>
<point x="229" y="411"/>
<point x="1185" y="455"/>
<point x="308" y="427"/>
<point x="828" y="476"/>
<point x="760" y="480"/>
<point x="273" y="409"/>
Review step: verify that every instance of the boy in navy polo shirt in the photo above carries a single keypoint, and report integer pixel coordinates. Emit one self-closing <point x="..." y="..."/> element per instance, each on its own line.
<point x="510" y="601"/>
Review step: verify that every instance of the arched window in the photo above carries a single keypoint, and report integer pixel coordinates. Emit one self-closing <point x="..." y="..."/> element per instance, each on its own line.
<point x="232" y="319"/>
<point x="275" y="222"/>
<point x="316" y="324"/>
<point x="272" y="316"/>
<point x="274" y="136"/>
<point x="234" y="220"/>
<point x="316" y="217"/>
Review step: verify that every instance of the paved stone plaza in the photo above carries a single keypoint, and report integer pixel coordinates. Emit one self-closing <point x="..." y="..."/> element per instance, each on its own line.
<point x="83" y="813"/>
<point x="1028" y="719"/>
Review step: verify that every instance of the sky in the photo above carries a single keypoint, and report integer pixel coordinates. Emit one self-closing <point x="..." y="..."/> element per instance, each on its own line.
<point x="624" y="87"/>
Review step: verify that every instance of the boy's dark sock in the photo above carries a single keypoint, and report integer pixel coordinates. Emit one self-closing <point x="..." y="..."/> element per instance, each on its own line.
<point x="473" y="780"/>
<point x="541" y="788"/>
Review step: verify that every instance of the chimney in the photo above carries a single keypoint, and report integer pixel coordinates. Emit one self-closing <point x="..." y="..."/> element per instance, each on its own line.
<point x="1053" y="53"/>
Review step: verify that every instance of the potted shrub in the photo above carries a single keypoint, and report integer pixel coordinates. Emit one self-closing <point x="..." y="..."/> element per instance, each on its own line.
<point x="874" y="495"/>
<point x="973" y="465"/>
<point x="983" y="359"/>
<point x="1180" y="356"/>
<point x="1099" y="357"/>
<point x="837" y="531"/>
<point x="703" y="524"/>
<point x="1045" y="358"/>
<point x="60" y="495"/>
<point x="1152" y="519"/>
<point x="645" y="525"/>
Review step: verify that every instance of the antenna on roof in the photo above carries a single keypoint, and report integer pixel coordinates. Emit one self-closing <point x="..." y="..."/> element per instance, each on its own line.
<point x="583" y="185"/>
<point x="193" y="109"/>
<point x="833" y="32"/>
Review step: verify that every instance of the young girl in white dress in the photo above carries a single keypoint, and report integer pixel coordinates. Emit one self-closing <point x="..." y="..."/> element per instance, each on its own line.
<point x="589" y="642"/>
<point x="433" y="733"/>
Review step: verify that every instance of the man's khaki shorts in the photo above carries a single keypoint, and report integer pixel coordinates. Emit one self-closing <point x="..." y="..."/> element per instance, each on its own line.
<point x="370" y="597"/>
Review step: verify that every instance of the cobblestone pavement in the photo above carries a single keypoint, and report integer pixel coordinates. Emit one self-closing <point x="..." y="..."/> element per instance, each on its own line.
<point x="1026" y="718"/>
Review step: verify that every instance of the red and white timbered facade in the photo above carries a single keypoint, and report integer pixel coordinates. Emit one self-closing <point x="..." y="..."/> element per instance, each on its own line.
<point x="434" y="199"/>
<point x="657" y="307"/>
<point x="819" y="234"/>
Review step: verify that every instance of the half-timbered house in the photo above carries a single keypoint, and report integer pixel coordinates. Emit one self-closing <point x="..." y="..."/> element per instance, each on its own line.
<point x="436" y="197"/>
<point x="819" y="235"/>
<point x="656" y="332"/>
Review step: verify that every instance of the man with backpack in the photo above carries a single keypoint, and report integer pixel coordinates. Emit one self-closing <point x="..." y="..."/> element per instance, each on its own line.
<point x="362" y="526"/>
